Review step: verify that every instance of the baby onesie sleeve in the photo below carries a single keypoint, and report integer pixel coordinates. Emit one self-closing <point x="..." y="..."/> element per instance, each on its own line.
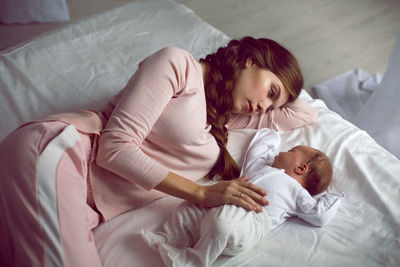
<point x="159" y="78"/>
<point x="317" y="212"/>
<point x="292" y="115"/>
<point x="261" y="151"/>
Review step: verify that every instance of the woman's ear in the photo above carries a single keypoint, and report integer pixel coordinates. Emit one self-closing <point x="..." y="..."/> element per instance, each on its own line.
<point x="301" y="169"/>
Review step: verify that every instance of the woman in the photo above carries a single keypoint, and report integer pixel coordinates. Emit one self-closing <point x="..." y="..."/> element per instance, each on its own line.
<point x="165" y="130"/>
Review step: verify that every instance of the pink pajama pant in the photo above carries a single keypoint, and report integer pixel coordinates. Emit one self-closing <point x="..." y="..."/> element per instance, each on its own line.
<point x="45" y="219"/>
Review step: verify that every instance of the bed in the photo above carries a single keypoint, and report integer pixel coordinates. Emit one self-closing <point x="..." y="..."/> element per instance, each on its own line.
<point x="85" y="63"/>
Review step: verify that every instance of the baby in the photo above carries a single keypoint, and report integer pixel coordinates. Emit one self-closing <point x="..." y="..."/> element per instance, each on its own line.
<point x="196" y="236"/>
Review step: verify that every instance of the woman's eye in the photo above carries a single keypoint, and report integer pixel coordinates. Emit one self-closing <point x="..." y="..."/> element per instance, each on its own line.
<point x="271" y="93"/>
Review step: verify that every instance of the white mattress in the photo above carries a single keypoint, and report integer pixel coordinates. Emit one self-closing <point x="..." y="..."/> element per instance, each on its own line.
<point x="84" y="64"/>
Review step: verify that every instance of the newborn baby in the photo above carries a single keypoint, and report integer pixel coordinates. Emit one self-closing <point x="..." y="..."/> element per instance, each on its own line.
<point x="196" y="236"/>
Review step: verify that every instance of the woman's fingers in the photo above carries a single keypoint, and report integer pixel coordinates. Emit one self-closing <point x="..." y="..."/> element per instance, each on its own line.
<point x="254" y="192"/>
<point x="251" y="186"/>
<point x="247" y="195"/>
<point x="254" y="198"/>
<point x="247" y="203"/>
<point x="237" y="192"/>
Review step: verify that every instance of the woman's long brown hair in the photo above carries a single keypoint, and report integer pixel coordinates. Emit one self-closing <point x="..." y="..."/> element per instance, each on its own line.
<point x="223" y="68"/>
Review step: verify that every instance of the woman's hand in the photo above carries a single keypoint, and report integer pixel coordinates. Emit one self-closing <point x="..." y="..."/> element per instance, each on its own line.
<point x="238" y="192"/>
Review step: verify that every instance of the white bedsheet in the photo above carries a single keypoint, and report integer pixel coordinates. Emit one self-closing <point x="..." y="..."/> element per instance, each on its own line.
<point x="364" y="232"/>
<point x="84" y="64"/>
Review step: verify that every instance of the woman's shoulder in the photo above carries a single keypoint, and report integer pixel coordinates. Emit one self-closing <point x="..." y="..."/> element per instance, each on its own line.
<point x="173" y="52"/>
<point x="174" y="58"/>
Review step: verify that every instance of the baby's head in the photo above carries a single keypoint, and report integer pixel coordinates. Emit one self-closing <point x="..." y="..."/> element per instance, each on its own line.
<point x="309" y="166"/>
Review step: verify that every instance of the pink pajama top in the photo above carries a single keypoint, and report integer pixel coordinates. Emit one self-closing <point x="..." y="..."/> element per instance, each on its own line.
<point x="158" y="124"/>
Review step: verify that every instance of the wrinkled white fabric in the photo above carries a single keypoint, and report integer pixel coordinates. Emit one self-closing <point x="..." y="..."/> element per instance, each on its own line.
<point x="369" y="101"/>
<point x="347" y="93"/>
<point x="196" y="236"/>
<point x="380" y="116"/>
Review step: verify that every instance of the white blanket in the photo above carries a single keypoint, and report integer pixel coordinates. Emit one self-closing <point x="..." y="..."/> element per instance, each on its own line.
<point x="370" y="102"/>
<point x="196" y="236"/>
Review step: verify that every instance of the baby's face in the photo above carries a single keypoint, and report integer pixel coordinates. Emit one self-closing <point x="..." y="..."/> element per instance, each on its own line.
<point x="292" y="158"/>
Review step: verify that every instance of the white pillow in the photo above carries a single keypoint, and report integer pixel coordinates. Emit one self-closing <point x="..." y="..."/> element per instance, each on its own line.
<point x="26" y="11"/>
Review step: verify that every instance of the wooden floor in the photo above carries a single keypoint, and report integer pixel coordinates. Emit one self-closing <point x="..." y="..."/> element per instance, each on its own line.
<point x="328" y="37"/>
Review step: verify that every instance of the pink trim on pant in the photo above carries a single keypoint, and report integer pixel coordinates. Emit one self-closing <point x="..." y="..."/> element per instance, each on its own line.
<point x="43" y="190"/>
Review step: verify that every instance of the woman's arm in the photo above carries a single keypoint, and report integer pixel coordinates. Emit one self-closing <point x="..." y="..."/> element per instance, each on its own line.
<point x="226" y="192"/>
<point x="159" y="78"/>
<point x="292" y="115"/>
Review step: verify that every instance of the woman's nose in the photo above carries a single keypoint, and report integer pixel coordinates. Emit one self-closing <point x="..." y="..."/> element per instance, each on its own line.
<point x="264" y="106"/>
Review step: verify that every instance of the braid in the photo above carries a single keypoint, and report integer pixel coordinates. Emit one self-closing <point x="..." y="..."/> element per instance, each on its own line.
<point x="218" y="91"/>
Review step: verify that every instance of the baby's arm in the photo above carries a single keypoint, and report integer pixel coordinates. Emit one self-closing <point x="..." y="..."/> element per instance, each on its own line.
<point x="261" y="150"/>
<point x="318" y="212"/>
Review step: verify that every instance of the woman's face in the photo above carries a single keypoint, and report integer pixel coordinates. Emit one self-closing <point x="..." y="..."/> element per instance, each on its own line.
<point x="258" y="90"/>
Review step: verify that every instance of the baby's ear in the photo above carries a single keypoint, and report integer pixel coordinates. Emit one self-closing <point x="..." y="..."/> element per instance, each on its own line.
<point x="301" y="169"/>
